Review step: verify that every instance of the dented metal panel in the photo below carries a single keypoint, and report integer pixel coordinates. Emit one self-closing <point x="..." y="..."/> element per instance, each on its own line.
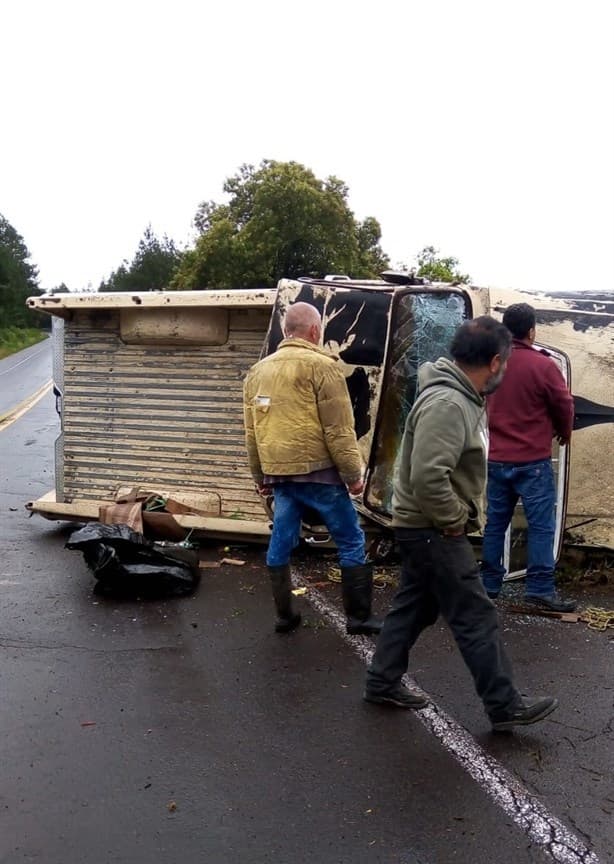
<point x="203" y="325"/>
<point x="159" y="416"/>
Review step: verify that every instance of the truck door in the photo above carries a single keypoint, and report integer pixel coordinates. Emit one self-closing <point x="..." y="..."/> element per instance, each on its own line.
<point x="422" y="326"/>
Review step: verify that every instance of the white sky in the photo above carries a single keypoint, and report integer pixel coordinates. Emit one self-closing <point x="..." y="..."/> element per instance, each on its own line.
<point x="483" y="128"/>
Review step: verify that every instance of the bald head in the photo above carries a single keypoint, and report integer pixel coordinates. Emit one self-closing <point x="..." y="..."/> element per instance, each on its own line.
<point x="304" y="322"/>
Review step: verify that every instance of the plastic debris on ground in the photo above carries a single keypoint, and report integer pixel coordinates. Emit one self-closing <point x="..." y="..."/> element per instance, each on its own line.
<point x="127" y="565"/>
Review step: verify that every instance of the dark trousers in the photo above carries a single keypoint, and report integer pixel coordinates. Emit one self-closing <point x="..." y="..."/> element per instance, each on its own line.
<point x="440" y="575"/>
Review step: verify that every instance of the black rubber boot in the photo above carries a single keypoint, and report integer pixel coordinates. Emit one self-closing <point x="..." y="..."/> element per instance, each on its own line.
<point x="281" y="583"/>
<point x="551" y="603"/>
<point x="357" y="592"/>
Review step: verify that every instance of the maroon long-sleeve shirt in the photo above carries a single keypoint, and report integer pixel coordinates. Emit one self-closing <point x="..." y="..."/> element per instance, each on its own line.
<point x="530" y="406"/>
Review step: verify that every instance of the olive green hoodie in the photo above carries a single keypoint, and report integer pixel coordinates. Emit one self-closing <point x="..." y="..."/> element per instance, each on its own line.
<point x="440" y="474"/>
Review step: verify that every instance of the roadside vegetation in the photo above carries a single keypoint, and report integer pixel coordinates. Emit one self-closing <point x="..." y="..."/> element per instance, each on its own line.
<point x="19" y="327"/>
<point x="14" y="339"/>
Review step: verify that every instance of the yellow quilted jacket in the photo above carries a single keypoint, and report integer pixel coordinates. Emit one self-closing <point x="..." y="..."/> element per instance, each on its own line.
<point x="298" y="415"/>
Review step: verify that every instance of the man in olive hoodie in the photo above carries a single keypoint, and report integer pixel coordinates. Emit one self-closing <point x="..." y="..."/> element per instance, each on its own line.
<point x="437" y="498"/>
<point x="300" y="438"/>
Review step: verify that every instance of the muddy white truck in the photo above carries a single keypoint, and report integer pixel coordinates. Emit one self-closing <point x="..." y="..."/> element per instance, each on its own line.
<point x="150" y="395"/>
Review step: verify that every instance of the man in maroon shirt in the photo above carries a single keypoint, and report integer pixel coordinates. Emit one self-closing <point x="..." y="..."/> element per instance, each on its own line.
<point x="532" y="405"/>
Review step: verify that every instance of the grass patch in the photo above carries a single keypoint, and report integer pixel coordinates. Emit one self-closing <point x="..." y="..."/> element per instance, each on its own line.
<point x="13" y="339"/>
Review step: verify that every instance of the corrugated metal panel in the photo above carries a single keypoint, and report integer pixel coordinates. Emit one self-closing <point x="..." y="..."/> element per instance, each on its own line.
<point x="159" y="417"/>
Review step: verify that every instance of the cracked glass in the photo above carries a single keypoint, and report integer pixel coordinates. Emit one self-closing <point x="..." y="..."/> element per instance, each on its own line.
<point x="422" y="329"/>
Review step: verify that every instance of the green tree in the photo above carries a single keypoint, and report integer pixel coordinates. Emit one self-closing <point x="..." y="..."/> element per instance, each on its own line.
<point x="280" y="220"/>
<point x="18" y="279"/>
<point x="439" y="269"/>
<point x="154" y="263"/>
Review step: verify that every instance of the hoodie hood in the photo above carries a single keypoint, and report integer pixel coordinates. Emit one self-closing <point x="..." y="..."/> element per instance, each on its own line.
<point x="445" y="373"/>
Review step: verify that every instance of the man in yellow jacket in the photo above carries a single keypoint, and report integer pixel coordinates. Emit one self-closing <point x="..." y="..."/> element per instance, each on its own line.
<point x="301" y="443"/>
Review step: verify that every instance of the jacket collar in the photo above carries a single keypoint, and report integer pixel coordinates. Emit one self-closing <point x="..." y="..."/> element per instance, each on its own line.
<point x="296" y="342"/>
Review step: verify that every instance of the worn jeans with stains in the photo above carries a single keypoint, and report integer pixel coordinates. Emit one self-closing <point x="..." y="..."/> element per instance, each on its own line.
<point x="332" y="503"/>
<point x="440" y="575"/>
<point x="533" y="484"/>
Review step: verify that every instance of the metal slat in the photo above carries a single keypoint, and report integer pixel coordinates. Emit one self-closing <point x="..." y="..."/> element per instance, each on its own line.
<point x="91" y="432"/>
<point x="157" y="417"/>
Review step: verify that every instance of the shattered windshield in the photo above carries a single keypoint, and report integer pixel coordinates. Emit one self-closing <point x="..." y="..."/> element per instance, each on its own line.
<point x="422" y="330"/>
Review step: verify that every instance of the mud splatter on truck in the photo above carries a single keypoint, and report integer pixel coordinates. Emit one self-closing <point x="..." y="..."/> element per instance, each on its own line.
<point x="150" y="387"/>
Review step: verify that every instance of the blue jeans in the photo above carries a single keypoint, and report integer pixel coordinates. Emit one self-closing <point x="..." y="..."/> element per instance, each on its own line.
<point x="533" y="483"/>
<point x="333" y="504"/>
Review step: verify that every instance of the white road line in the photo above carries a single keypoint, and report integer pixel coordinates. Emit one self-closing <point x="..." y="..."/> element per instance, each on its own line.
<point x="503" y="788"/>
<point x="21" y="362"/>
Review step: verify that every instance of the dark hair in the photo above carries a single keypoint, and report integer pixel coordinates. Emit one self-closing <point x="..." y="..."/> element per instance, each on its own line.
<point x="519" y="319"/>
<point x="476" y="342"/>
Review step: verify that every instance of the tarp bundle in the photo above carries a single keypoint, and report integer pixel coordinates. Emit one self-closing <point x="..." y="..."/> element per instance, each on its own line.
<point x="128" y="565"/>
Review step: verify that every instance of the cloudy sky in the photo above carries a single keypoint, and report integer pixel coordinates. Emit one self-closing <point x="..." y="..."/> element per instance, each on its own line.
<point x="483" y="128"/>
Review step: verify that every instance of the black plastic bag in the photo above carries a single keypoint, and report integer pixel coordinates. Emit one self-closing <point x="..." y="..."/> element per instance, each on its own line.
<point x="127" y="565"/>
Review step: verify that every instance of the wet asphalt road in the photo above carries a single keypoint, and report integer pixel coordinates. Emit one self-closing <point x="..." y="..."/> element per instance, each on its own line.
<point x="23" y="373"/>
<point x="186" y="731"/>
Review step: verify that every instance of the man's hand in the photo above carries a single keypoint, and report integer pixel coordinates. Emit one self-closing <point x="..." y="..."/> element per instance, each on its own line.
<point x="356" y="488"/>
<point x="562" y="441"/>
<point x="264" y="490"/>
<point x="447" y="532"/>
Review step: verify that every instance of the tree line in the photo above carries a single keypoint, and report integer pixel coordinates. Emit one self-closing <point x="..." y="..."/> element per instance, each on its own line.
<point x="18" y="279"/>
<point x="277" y="220"/>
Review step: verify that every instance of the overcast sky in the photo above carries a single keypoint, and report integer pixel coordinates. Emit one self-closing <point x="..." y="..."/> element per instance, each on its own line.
<point x="483" y="128"/>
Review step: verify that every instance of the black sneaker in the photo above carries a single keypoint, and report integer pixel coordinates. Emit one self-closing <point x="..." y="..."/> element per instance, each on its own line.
<point x="285" y="625"/>
<point x="400" y="696"/>
<point x="528" y="711"/>
<point x="551" y="603"/>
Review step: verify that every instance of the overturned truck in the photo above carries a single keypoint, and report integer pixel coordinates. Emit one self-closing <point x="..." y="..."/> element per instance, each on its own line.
<point x="149" y="390"/>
